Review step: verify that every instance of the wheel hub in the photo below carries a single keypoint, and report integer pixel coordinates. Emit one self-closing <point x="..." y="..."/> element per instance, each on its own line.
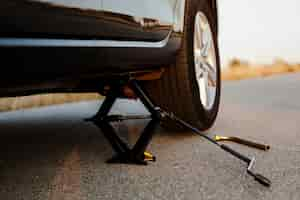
<point x="205" y="61"/>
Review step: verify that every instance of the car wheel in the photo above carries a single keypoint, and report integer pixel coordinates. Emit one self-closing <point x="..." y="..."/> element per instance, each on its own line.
<point x="191" y="87"/>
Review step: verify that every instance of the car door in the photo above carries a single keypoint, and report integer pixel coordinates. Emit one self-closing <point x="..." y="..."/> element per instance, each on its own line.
<point x="50" y="18"/>
<point x="81" y="4"/>
<point x="150" y="19"/>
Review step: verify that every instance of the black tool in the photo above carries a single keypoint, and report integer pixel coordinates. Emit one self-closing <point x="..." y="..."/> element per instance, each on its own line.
<point x="250" y="162"/>
<point x="138" y="155"/>
<point x="125" y="154"/>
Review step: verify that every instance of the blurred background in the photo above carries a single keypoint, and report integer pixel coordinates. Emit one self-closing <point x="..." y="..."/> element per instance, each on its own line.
<point x="257" y="39"/>
<point x="259" y="31"/>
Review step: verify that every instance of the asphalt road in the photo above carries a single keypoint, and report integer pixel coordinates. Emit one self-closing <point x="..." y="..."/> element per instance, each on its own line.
<point x="51" y="153"/>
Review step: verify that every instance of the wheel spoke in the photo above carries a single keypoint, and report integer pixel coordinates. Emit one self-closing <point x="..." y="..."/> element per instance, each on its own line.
<point x="212" y="78"/>
<point x="198" y="35"/>
<point x="198" y="57"/>
<point x="206" y="44"/>
<point x="199" y="72"/>
<point x="203" y="89"/>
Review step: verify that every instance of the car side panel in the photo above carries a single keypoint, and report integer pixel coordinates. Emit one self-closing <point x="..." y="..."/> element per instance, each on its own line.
<point x="148" y="14"/>
<point x="42" y="68"/>
<point x="160" y="10"/>
<point x="82" y="4"/>
<point x="166" y="12"/>
<point x="35" y="19"/>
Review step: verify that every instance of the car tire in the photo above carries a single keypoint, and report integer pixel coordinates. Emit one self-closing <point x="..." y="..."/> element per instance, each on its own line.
<point x="179" y="90"/>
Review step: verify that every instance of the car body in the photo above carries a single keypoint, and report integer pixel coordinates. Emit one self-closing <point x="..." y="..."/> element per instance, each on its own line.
<point x="49" y="43"/>
<point x="71" y="45"/>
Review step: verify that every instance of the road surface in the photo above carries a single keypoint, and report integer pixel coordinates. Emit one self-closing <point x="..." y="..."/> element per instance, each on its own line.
<point x="51" y="153"/>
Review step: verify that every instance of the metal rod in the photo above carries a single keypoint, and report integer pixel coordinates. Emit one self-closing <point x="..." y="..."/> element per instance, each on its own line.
<point x="106" y="106"/>
<point x="243" y="142"/>
<point x="145" y="138"/>
<point x="144" y="98"/>
<point x="113" y="118"/>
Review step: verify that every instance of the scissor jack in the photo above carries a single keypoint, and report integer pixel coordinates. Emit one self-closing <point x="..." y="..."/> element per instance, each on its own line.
<point x="138" y="154"/>
<point x="125" y="154"/>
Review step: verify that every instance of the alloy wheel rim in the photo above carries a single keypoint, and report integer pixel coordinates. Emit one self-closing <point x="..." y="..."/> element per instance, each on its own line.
<point x="205" y="61"/>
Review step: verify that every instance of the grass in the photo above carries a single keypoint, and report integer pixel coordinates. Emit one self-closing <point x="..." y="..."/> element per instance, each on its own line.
<point x="11" y="104"/>
<point x="236" y="70"/>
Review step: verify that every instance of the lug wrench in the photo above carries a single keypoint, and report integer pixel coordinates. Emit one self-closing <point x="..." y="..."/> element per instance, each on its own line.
<point x="250" y="162"/>
<point x="238" y="140"/>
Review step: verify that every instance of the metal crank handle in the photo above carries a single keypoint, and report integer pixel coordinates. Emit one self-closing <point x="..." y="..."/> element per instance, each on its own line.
<point x="261" y="179"/>
<point x="250" y="162"/>
<point x="258" y="177"/>
<point x="235" y="154"/>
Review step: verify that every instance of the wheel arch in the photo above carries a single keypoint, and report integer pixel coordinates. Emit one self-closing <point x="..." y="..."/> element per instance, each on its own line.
<point x="179" y="13"/>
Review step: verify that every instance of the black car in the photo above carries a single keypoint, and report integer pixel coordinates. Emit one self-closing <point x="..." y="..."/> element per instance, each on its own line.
<point x="169" y="46"/>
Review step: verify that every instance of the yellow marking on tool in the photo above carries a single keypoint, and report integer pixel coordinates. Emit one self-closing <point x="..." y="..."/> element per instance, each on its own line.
<point x="149" y="157"/>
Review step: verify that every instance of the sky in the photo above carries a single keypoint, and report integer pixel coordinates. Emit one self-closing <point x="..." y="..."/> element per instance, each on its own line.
<point x="259" y="31"/>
